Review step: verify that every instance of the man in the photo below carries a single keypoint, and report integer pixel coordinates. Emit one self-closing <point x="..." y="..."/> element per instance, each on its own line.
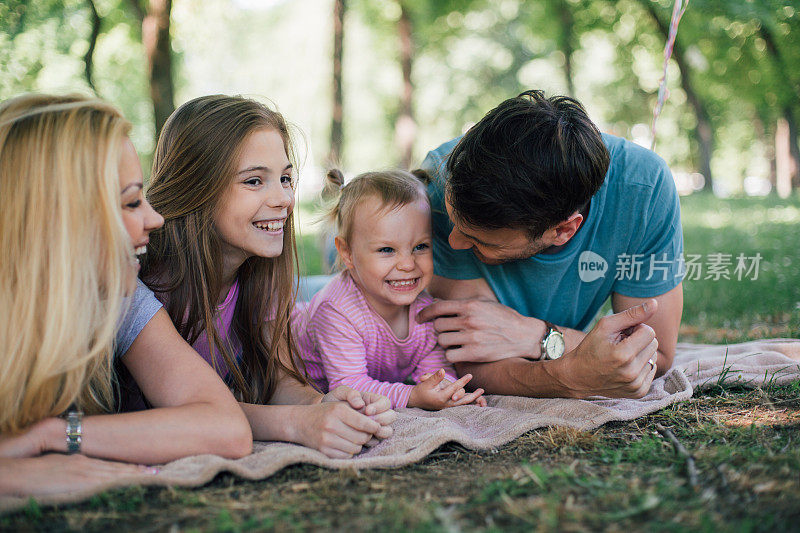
<point x="538" y="219"/>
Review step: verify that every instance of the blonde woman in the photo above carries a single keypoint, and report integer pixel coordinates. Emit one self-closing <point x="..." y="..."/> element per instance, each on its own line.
<point x="74" y="219"/>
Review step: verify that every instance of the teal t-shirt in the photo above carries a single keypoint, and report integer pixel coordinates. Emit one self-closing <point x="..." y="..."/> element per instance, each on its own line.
<point x="631" y="243"/>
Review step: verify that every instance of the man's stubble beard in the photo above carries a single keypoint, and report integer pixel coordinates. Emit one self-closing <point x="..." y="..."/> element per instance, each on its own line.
<point x="534" y="248"/>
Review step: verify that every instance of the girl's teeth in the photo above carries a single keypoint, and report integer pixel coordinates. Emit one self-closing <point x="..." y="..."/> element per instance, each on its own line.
<point x="276" y="225"/>
<point x="403" y="283"/>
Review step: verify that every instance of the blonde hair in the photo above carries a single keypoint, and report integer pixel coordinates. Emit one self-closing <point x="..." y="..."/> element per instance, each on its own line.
<point x="394" y="188"/>
<point x="65" y="256"/>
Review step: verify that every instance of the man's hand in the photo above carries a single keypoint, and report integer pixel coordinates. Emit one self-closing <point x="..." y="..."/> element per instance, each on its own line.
<point x="481" y="331"/>
<point x="616" y="359"/>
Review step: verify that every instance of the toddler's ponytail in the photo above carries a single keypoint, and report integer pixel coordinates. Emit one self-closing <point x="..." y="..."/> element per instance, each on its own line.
<point x="422" y="175"/>
<point x="331" y="194"/>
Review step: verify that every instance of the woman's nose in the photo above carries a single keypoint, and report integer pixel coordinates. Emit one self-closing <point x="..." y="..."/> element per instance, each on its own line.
<point x="152" y="220"/>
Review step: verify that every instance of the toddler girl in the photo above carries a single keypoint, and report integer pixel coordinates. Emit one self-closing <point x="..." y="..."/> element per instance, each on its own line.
<point x="361" y="329"/>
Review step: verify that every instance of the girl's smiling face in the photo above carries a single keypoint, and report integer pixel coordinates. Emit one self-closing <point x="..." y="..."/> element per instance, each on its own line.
<point x="138" y="215"/>
<point x="389" y="254"/>
<point x="250" y="218"/>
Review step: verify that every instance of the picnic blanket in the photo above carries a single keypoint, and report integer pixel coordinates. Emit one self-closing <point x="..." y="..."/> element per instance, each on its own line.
<point x="418" y="432"/>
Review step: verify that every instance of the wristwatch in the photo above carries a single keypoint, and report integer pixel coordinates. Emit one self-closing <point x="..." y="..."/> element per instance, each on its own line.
<point x="553" y="342"/>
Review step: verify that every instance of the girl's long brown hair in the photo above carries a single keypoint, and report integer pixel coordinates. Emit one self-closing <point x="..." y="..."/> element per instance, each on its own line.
<point x="194" y="163"/>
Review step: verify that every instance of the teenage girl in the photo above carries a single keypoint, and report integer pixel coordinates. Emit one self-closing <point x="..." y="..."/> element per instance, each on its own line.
<point x="224" y="264"/>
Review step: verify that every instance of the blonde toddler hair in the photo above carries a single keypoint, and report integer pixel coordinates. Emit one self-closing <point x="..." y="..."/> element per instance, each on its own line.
<point x="394" y="188"/>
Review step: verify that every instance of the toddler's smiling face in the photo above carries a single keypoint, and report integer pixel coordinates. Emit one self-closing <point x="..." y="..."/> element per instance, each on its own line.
<point x="389" y="254"/>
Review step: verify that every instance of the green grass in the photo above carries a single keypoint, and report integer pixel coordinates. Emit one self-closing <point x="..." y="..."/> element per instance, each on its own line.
<point x="620" y="477"/>
<point x="764" y="307"/>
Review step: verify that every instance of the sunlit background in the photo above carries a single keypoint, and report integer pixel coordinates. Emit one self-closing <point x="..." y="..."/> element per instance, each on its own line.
<point x="737" y="97"/>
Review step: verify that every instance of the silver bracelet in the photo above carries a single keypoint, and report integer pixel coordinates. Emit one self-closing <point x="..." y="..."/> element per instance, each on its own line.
<point x="74" y="429"/>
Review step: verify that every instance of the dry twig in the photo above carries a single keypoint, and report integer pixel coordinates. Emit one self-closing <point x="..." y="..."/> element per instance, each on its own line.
<point x="691" y="468"/>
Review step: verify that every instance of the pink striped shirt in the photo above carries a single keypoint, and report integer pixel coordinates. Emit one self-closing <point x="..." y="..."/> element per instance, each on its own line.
<point x="344" y="342"/>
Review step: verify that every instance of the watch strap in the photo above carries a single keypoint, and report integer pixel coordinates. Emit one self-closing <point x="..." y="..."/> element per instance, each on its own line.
<point x="74" y="431"/>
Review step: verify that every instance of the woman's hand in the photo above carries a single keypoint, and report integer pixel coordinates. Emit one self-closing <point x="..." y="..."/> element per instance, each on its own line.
<point x="56" y="474"/>
<point x="334" y="428"/>
<point x="35" y="439"/>
<point x="436" y="392"/>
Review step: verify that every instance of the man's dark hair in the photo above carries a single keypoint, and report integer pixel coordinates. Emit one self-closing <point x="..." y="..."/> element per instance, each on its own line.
<point x="529" y="164"/>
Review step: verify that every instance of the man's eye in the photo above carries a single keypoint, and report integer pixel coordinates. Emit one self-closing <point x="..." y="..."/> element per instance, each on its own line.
<point x="421" y="246"/>
<point x="386" y="250"/>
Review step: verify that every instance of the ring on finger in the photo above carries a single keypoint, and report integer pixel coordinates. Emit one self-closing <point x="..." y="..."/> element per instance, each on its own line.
<point x="652" y="362"/>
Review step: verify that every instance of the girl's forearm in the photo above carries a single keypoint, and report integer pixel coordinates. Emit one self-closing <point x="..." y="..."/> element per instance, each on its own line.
<point x="157" y="435"/>
<point x="272" y="422"/>
<point x="291" y="392"/>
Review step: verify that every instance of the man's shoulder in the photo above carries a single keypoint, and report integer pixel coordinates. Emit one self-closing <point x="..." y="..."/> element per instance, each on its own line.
<point x="442" y="152"/>
<point x="633" y="165"/>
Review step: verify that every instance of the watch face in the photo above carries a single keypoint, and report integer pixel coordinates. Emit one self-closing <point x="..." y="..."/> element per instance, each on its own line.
<point x="555" y="346"/>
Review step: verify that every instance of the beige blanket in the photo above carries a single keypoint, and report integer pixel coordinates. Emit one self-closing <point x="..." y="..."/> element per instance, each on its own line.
<point x="418" y="432"/>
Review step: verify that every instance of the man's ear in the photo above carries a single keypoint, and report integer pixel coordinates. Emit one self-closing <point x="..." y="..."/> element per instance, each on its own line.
<point x="567" y="229"/>
<point x="344" y="251"/>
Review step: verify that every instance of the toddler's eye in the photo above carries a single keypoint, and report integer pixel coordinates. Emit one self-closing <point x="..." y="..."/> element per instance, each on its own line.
<point x="386" y="250"/>
<point x="421" y="246"/>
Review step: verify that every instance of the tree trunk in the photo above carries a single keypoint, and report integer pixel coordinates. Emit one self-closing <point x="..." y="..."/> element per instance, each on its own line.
<point x="88" y="58"/>
<point x="789" y="148"/>
<point x="566" y="43"/>
<point x="794" y="150"/>
<point x="704" y="132"/>
<point x="785" y="166"/>
<point x="155" y="38"/>
<point x="406" y="127"/>
<point x="760" y="129"/>
<point x="337" y="116"/>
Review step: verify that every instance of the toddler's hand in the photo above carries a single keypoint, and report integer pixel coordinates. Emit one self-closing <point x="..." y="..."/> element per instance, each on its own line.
<point x="432" y="394"/>
<point x="480" y="401"/>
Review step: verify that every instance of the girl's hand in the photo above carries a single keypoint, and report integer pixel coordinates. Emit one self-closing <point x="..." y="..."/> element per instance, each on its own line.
<point x="375" y="406"/>
<point x="34" y="441"/>
<point x="56" y="473"/>
<point x="432" y="394"/>
<point x="334" y="428"/>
